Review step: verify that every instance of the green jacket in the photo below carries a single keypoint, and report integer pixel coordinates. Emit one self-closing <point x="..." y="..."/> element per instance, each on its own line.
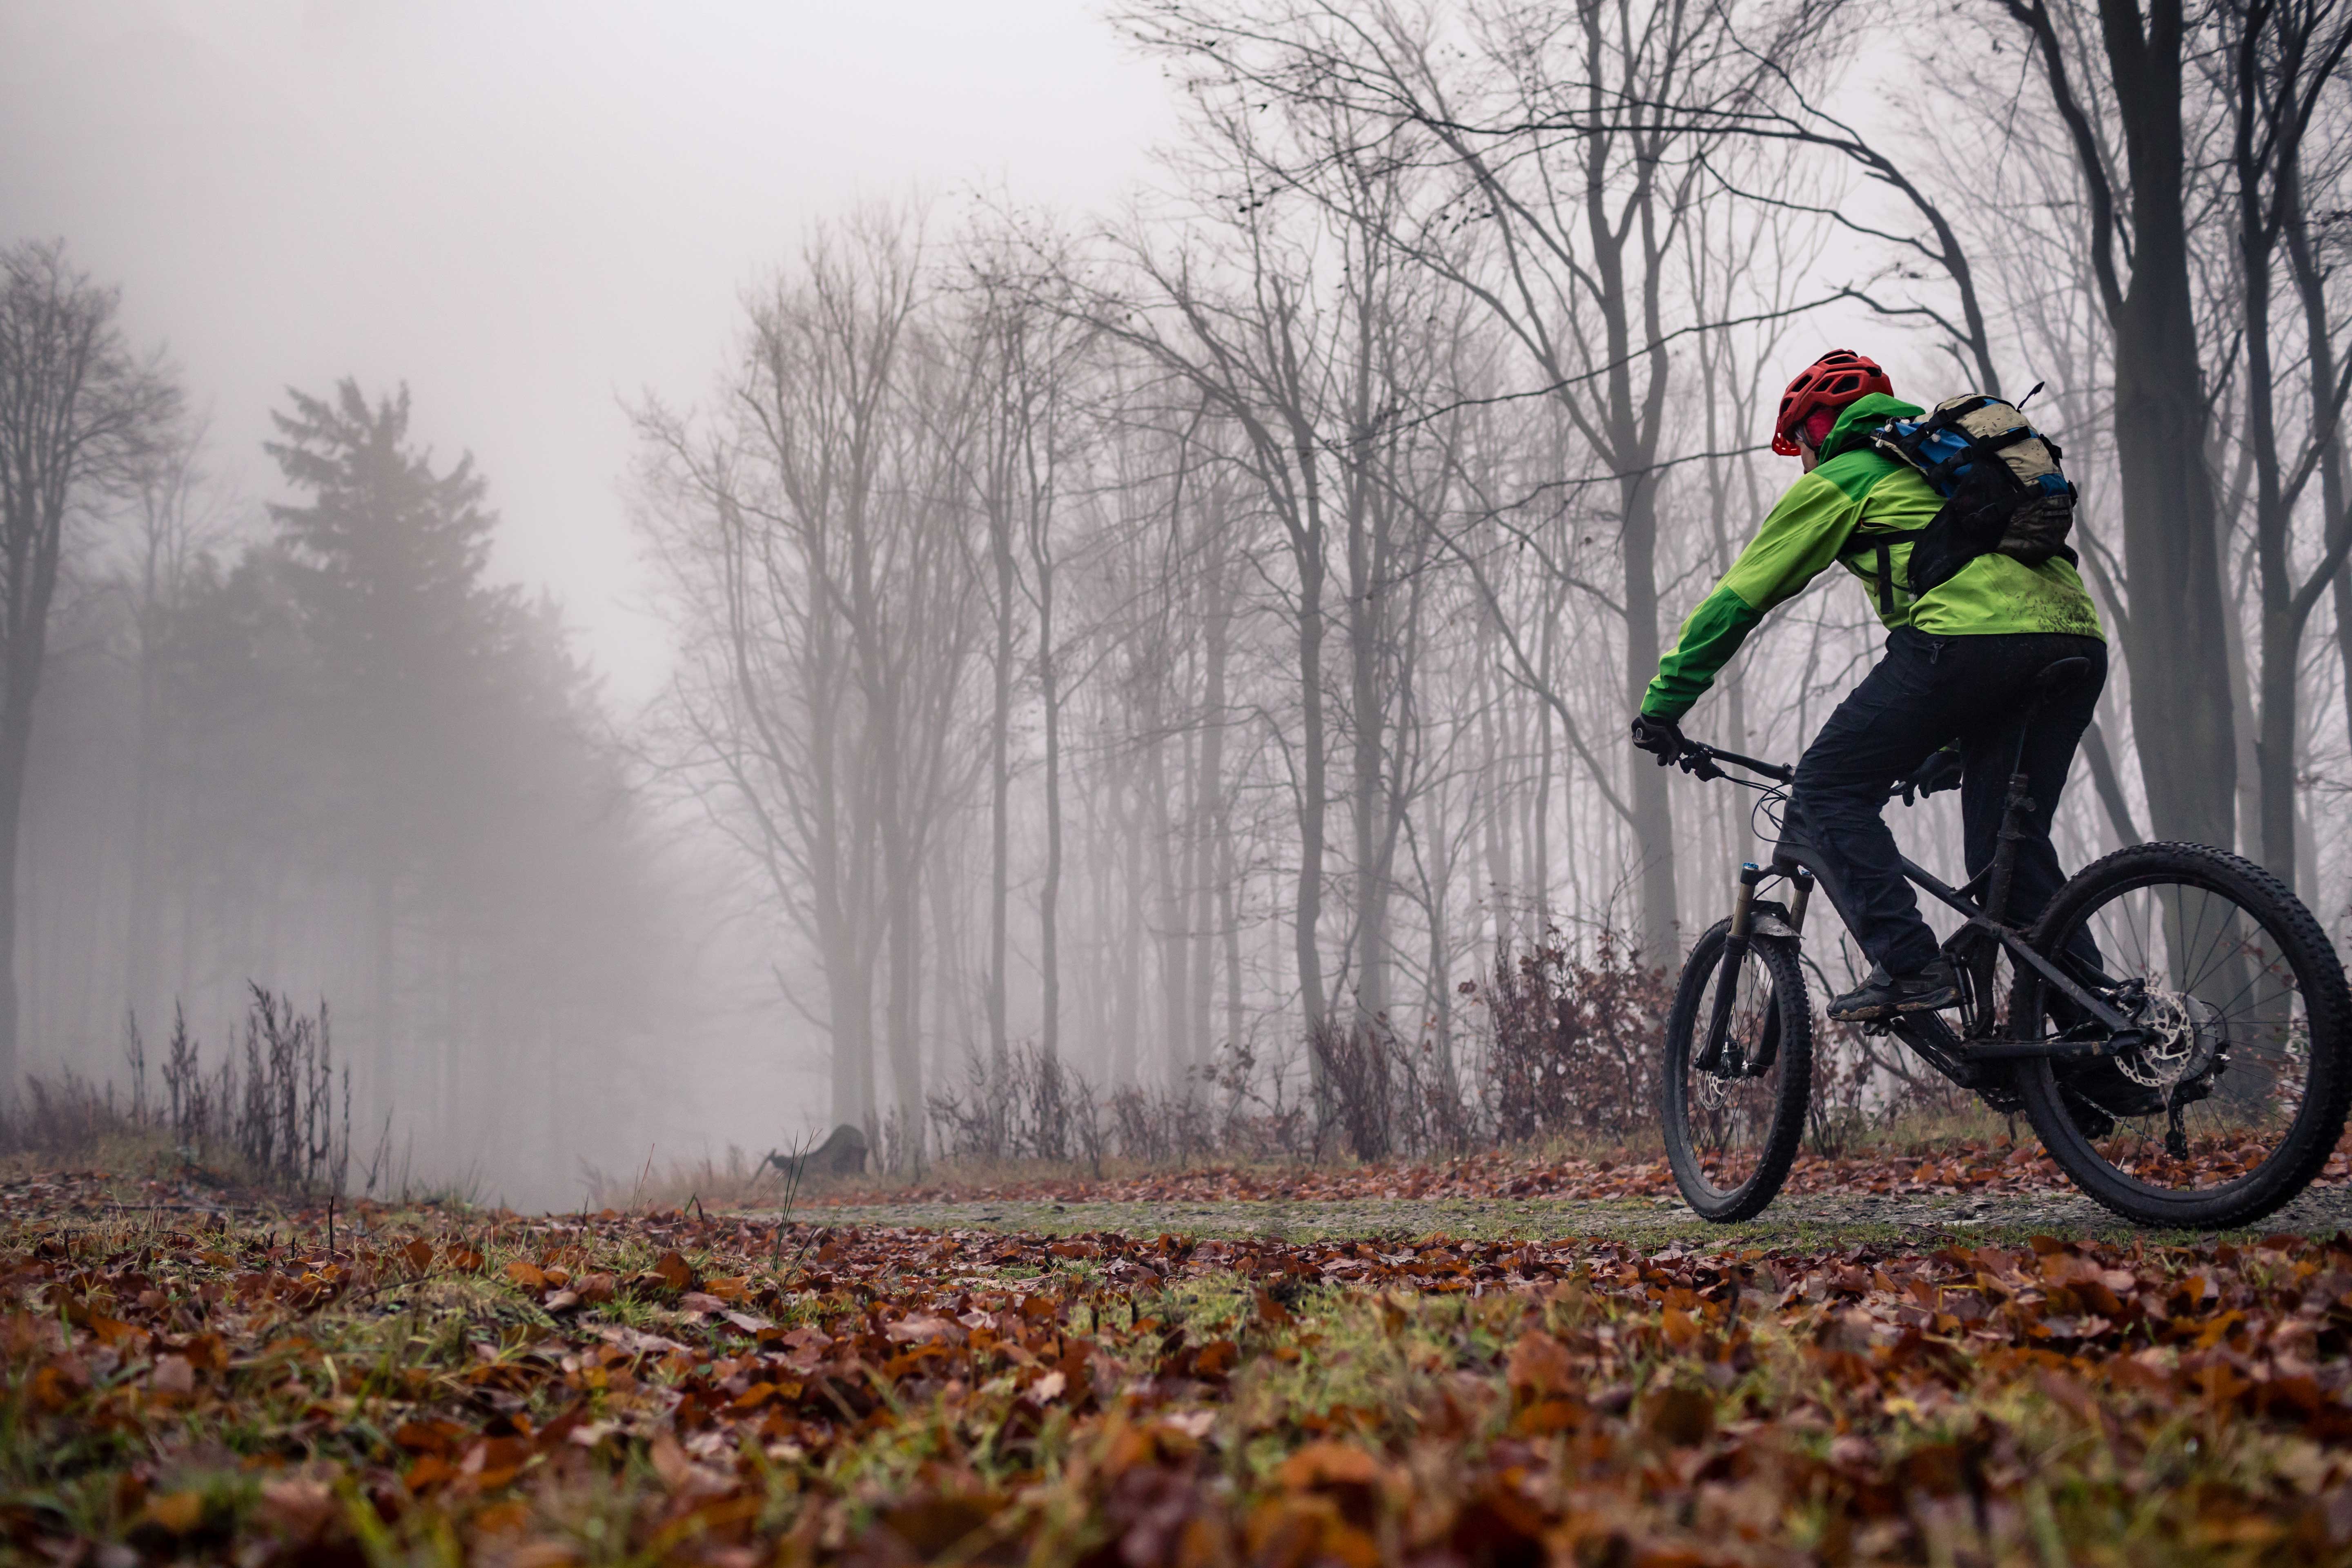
<point x="1856" y="508"/>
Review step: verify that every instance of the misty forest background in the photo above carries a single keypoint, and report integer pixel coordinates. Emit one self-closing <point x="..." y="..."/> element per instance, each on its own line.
<point x="1135" y="669"/>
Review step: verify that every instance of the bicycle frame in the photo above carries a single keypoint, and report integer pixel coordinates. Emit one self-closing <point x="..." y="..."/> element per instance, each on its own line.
<point x="1956" y="1057"/>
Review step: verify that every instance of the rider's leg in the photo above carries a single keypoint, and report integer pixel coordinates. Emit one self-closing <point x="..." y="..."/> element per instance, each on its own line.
<point x="1988" y="748"/>
<point x="2097" y="1091"/>
<point x="1885" y="727"/>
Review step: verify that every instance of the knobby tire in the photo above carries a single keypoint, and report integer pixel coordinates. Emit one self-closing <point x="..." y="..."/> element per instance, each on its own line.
<point x="1685" y="1031"/>
<point x="2283" y="919"/>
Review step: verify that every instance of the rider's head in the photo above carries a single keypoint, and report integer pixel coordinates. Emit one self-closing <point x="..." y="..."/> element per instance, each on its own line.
<point x="1810" y="406"/>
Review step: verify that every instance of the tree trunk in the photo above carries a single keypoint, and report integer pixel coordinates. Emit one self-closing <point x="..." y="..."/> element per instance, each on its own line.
<point x="2244" y="767"/>
<point x="1126" y="1035"/>
<point x="2306" y="268"/>
<point x="1049" y="893"/>
<point x="1000" y="788"/>
<point x="901" y="1011"/>
<point x="1208" y="805"/>
<point x="1369" y="807"/>
<point x="1495" y="819"/>
<point x="1540" y="857"/>
<point x="380" y="945"/>
<point x="1653" y="823"/>
<point x="2179" y="691"/>
<point x="15" y="736"/>
<point x="1229" y="902"/>
<point x="139" y="925"/>
<point x="2272" y="92"/>
<point x="2280" y="627"/>
<point x="1312" y="795"/>
<point x="1175" y="944"/>
<point x="850" y="1005"/>
<point x="1439" y="860"/>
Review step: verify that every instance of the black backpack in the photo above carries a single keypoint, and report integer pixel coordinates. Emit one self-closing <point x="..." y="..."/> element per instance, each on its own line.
<point x="2003" y="491"/>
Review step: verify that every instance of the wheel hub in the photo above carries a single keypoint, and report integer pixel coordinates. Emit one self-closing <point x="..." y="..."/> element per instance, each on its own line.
<point x="2181" y="1041"/>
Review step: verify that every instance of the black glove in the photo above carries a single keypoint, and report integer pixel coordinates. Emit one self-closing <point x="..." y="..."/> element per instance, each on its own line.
<point x="1941" y="771"/>
<point x="1662" y="738"/>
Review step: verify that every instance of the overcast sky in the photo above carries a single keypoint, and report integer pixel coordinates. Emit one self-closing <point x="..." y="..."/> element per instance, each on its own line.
<point x="527" y="209"/>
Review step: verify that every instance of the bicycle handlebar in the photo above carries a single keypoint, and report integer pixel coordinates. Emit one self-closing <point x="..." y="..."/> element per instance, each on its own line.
<point x="1699" y="760"/>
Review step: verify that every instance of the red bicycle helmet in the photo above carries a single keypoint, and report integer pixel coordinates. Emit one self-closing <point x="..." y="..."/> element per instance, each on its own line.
<point x="1832" y="381"/>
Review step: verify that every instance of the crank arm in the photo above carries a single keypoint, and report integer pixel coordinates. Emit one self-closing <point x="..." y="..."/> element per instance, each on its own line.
<point x="1933" y="1040"/>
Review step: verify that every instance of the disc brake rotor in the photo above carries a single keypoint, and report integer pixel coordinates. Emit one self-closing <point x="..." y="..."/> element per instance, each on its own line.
<point x="2181" y="1037"/>
<point x="1715" y="1086"/>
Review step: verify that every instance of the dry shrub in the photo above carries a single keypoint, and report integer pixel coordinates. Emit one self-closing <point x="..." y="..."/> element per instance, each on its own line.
<point x="1164" y="1126"/>
<point x="1025" y="1105"/>
<point x="1838" y="1114"/>
<point x="1237" y="1108"/>
<point x="67" y="1120"/>
<point x="1353" y="1062"/>
<point x="1869" y="1089"/>
<point x="1383" y="1096"/>
<point x="1028" y="1107"/>
<point x="274" y="1117"/>
<point x="1575" y="1041"/>
<point x="1570" y="1050"/>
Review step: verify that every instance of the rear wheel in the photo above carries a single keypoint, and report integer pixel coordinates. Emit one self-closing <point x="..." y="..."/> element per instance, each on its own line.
<point x="1733" y="1123"/>
<point x="2236" y="1094"/>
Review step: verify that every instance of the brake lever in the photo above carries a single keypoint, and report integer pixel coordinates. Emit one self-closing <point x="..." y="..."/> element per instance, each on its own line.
<point x="1699" y="766"/>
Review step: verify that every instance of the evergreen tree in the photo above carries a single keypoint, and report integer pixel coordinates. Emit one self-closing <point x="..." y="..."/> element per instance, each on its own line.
<point x="385" y="562"/>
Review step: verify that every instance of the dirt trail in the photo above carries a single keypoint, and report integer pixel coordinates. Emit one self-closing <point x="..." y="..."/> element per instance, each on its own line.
<point x="1812" y="1219"/>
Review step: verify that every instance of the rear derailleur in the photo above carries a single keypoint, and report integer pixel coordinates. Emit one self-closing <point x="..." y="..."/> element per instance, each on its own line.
<point x="2181" y="1049"/>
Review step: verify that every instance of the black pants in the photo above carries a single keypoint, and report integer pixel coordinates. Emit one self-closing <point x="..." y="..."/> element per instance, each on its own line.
<point x="1928" y="691"/>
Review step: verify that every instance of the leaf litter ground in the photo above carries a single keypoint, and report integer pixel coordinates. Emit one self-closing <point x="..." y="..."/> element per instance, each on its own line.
<point x="379" y="1386"/>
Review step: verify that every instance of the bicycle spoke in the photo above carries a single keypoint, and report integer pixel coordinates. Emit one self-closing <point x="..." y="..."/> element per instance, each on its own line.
<point x="2218" y="1014"/>
<point x="1728" y="1112"/>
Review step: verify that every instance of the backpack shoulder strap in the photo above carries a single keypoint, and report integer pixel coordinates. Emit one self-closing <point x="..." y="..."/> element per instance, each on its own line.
<point x="1882" y="545"/>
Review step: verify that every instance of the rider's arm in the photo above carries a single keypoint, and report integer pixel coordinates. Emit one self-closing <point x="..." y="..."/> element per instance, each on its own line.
<point x="1797" y="543"/>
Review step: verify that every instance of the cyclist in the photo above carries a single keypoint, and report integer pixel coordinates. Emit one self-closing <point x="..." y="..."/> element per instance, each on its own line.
<point x="1942" y="701"/>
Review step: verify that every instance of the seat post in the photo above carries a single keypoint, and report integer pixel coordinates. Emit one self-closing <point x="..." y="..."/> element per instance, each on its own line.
<point x="2015" y="808"/>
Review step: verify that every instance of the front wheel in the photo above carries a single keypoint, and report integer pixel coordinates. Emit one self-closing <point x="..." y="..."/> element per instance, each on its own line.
<point x="2235" y="1093"/>
<point x="1734" y="1113"/>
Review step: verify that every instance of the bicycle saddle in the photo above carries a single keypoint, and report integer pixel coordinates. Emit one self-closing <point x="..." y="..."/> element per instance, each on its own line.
<point x="2058" y="676"/>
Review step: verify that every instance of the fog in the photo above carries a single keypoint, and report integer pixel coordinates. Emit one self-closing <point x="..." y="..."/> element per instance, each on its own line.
<point x="526" y="214"/>
<point x="1052" y="581"/>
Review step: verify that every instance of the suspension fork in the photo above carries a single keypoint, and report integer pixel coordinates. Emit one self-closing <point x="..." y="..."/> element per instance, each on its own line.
<point x="1735" y="952"/>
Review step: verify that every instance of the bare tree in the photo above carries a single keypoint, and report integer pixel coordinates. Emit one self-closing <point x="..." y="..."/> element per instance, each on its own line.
<point x="782" y="527"/>
<point x="175" y="519"/>
<point x="2140" y="254"/>
<point x="1251" y="351"/>
<point x="2283" y="57"/>
<point x="1569" y="143"/>
<point x="75" y="405"/>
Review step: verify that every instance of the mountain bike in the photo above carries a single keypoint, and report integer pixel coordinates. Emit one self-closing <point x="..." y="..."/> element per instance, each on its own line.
<point x="2174" y="1024"/>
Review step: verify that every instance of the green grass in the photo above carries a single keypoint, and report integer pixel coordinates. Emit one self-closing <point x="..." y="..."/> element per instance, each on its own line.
<point x="1602" y="1383"/>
